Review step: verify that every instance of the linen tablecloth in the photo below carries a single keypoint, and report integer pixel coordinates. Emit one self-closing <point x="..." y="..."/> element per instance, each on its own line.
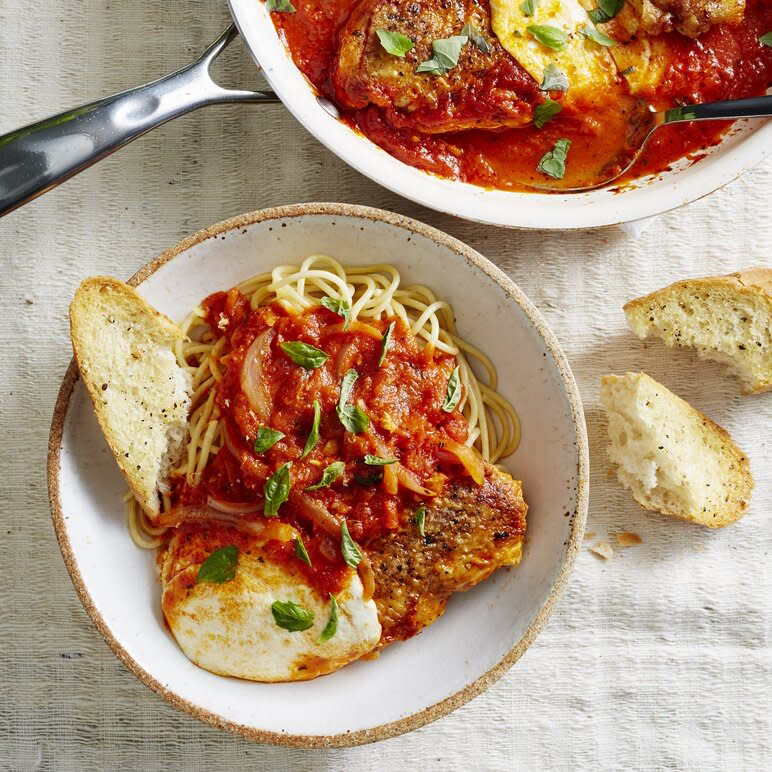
<point x="656" y="659"/>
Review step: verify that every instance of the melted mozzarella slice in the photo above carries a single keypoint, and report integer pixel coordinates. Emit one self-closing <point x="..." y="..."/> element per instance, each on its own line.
<point x="589" y="66"/>
<point x="229" y="628"/>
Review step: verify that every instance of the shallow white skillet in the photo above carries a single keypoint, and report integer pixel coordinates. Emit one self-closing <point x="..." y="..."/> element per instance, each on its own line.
<point x="484" y="630"/>
<point x="40" y="156"/>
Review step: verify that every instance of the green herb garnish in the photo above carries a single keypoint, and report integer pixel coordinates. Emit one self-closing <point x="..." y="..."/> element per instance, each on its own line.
<point x="453" y="394"/>
<point x="385" y="341"/>
<point x="332" y="623"/>
<point x="445" y="53"/>
<point x="313" y="436"/>
<point x="290" y="616"/>
<point x="279" y="6"/>
<point x="340" y="307"/>
<point x="378" y="461"/>
<point x="331" y="473"/>
<point x="352" y="418"/>
<point x="301" y="552"/>
<point x="394" y="43"/>
<point x="266" y="438"/>
<point x="606" y="10"/>
<point x="420" y="518"/>
<point x="476" y="38"/>
<point x="277" y="488"/>
<point x="528" y="7"/>
<point x="554" y="79"/>
<point x="597" y="37"/>
<point x="553" y="162"/>
<point x="549" y="36"/>
<point x="220" y="566"/>
<point x="304" y="354"/>
<point x="546" y="111"/>
<point x="766" y="39"/>
<point x="351" y="554"/>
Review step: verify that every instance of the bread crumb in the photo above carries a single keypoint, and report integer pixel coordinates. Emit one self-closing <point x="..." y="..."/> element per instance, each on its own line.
<point x="588" y="535"/>
<point x="29" y="300"/>
<point x="628" y="539"/>
<point x="603" y="550"/>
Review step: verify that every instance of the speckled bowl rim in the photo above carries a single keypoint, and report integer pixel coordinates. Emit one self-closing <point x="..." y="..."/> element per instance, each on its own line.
<point x="578" y="521"/>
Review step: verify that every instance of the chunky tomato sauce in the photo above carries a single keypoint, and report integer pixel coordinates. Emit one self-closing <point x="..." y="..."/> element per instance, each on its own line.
<point x="402" y="396"/>
<point x="727" y="62"/>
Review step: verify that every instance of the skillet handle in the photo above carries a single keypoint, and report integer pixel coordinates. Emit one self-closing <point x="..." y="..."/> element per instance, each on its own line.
<point x="40" y="156"/>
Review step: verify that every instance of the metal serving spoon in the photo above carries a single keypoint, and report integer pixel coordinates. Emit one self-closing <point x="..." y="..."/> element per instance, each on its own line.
<point x="644" y="120"/>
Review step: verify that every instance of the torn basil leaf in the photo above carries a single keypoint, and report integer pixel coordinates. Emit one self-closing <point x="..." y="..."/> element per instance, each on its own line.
<point x="546" y="111"/>
<point x="598" y="37"/>
<point x="445" y="53"/>
<point x="378" y="461"/>
<point x="279" y="6"/>
<point x="553" y="162"/>
<point x="354" y="420"/>
<point x="420" y="519"/>
<point x="332" y="623"/>
<point x="304" y="354"/>
<point x="340" y="307"/>
<point x="266" y="438"/>
<point x="385" y="341"/>
<point x="330" y="474"/>
<point x="554" y="79"/>
<point x="313" y="436"/>
<point x="277" y="488"/>
<point x="528" y="7"/>
<point x="394" y="43"/>
<point x="453" y="394"/>
<point x="476" y="38"/>
<point x="291" y="616"/>
<point x="301" y="552"/>
<point x="766" y="39"/>
<point x="348" y="548"/>
<point x="606" y="10"/>
<point x="549" y="36"/>
<point x="220" y="566"/>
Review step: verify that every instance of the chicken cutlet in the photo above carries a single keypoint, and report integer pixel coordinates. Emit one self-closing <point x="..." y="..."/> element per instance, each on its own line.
<point x="488" y="89"/>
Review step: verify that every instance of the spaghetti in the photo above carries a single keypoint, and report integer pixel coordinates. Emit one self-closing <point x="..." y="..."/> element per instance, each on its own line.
<point x="372" y="292"/>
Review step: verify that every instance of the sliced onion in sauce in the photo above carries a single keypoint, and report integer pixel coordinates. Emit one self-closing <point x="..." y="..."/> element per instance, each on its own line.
<point x="365" y="571"/>
<point x="468" y="457"/>
<point x="234" y="507"/>
<point x="253" y="382"/>
<point x="360" y="327"/>
<point x="315" y="512"/>
<point x="201" y="513"/>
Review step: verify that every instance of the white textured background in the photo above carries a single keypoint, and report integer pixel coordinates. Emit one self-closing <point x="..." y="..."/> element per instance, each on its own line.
<point x="658" y="659"/>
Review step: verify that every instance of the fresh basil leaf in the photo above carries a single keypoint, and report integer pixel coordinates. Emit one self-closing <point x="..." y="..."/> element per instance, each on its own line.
<point x="453" y="394"/>
<point x="476" y="38"/>
<point x="420" y="519"/>
<point x="220" y="566"/>
<point x="528" y="7"/>
<point x="597" y="37"/>
<point x="546" y="111"/>
<point x="332" y="623"/>
<point x="266" y="438"/>
<point x="353" y="418"/>
<point x="279" y="6"/>
<point x="340" y="307"/>
<point x="378" y="461"/>
<point x="301" y="552"/>
<point x="549" y="36"/>
<point x="385" y="341"/>
<point x="290" y="616"/>
<point x="277" y="488"/>
<point x="554" y="79"/>
<point x="313" y="436"/>
<point x="348" y="548"/>
<point x="766" y="39"/>
<point x="445" y="53"/>
<point x="304" y="354"/>
<point x="394" y="43"/>
<point x="606" y="10"/>
<point x="553" y="162"/>
<point x="331" y="473"/>
<point x="374" y="478"/>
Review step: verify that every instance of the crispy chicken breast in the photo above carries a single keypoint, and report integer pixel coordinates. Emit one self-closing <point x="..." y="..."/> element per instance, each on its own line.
<point x="488" y="89"/>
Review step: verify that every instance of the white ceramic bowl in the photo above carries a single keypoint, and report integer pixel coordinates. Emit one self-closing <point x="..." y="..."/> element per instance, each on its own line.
<point x="483" y="632"/>
<point x="748" y="143"/>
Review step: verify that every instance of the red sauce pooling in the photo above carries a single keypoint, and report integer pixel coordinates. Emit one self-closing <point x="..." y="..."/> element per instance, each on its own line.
<point x="402" y="397"/>
<point x="727" y="62"/>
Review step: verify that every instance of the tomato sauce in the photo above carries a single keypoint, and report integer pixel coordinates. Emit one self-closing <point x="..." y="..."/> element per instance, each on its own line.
<point x="402" y="396"/>
<point x="727" y="62"/>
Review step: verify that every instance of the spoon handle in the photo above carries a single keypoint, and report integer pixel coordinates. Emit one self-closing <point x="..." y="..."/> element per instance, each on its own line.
<point x="40" y="156"/>
<point x="753" y="107"/>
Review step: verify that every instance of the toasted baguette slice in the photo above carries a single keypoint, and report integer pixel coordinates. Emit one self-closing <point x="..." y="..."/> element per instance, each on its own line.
<point x="673" y="459"/>
<point x="726" y="318"/>
<point x="141" y="396"/>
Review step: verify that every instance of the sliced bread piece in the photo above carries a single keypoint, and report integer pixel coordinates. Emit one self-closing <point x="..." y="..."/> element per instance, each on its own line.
<point x="726" y="318"/>
<point x="141" y="395"/>
<point x="673" y="459"/>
